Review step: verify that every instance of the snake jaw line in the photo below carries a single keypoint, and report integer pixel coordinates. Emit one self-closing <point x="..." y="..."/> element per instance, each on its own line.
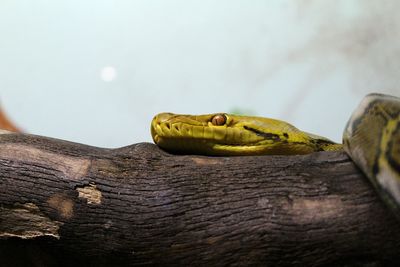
<point x="226" y="134"/>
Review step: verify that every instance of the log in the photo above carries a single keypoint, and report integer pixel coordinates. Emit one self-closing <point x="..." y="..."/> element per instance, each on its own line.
<point x="64" y="204"/>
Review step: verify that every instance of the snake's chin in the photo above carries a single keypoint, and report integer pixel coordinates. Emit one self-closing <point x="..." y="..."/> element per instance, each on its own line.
<point x="239" y="135"/>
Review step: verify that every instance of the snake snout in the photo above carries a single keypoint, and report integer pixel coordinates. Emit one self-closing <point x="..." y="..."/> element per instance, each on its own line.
<point x="163" y="126"/>
<point x="156" y="125"/>
<point x="163" y="117"/>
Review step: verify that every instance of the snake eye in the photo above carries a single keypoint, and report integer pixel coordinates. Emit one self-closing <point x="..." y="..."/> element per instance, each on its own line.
<point x="218" y="120"/>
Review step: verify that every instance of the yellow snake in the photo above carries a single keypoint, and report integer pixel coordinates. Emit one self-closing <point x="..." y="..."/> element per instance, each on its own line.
<point x="371" y="138"/>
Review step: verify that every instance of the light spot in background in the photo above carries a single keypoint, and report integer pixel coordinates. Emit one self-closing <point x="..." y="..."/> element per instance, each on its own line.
<point x="108" y="74"/>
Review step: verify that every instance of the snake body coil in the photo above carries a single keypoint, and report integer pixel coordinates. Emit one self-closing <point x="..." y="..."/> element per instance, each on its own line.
<point x="372" y="140"/>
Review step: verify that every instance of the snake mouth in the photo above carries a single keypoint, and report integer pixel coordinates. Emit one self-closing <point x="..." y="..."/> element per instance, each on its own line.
<point x="188" y="128"/>
<point x="185" y="129"/>
<point x="198" y="135"/>
<point x="225" y="134"/>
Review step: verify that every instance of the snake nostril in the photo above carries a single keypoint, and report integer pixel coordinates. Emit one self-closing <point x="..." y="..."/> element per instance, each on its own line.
<point x="168" y="126"/>
<point x="176" y="128"/>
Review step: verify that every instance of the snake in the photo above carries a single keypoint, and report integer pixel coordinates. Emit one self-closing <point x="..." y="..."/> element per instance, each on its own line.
<point x="371" y="139"/>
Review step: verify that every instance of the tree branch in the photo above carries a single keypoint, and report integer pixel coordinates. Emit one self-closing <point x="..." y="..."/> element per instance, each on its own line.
<point x="64" y="203"/>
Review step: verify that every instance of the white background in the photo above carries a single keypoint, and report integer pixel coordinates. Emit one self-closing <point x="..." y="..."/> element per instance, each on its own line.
<point x="96" y="72"/>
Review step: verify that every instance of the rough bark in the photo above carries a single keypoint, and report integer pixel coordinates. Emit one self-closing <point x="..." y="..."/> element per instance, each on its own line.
<point x="63" y="204"/>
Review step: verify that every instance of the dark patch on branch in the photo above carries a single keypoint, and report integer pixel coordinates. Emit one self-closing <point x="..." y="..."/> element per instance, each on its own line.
<point x="138" y="205"/>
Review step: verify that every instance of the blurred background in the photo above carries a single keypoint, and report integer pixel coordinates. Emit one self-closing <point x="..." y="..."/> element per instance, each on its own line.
<point x="97" y="71"/>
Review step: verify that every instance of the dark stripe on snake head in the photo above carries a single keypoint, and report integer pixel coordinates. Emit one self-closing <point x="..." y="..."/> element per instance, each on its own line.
<point x="268" y="136"/>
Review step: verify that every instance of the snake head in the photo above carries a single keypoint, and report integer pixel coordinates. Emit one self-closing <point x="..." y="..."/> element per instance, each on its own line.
<point x="227" y="134"/>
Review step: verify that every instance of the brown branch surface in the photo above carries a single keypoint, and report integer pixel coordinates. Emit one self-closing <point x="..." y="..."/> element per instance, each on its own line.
<point x="64" y="204"/>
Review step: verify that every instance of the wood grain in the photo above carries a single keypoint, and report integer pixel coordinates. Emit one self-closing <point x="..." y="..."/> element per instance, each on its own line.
<point x="64" y="204"/>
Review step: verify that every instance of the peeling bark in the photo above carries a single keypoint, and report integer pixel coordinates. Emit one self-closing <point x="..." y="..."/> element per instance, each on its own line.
<point x="63" y="204"/>
<point x="26" y="222"/>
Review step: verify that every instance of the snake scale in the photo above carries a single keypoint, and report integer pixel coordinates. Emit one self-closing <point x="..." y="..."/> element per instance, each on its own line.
<point x="371" y="138"/>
